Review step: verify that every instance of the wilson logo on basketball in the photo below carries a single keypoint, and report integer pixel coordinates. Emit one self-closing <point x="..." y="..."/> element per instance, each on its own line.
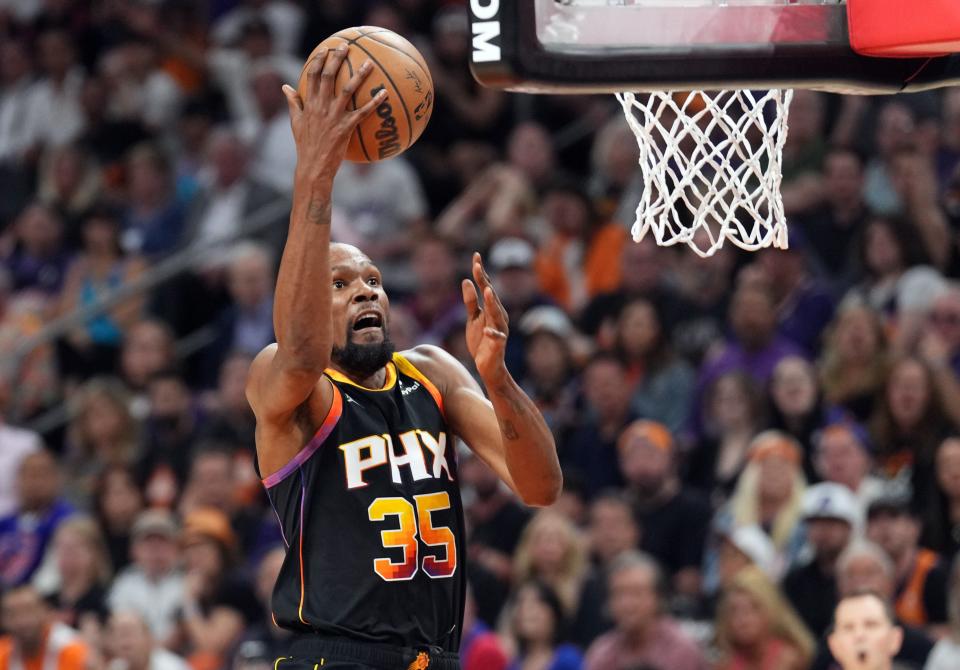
<point x="388" y="139"/>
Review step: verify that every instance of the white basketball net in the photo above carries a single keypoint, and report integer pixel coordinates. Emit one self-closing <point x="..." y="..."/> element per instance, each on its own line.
<point x="710" y="162"/>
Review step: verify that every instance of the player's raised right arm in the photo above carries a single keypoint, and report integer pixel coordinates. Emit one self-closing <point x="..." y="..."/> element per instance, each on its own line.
<point x="285" y="374"/>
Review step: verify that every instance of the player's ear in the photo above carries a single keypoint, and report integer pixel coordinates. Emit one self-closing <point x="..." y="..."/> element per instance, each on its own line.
<point x="894" y="641"/>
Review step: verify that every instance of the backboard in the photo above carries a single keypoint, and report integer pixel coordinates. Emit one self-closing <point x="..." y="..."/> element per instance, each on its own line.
<point x="593" y="46"/>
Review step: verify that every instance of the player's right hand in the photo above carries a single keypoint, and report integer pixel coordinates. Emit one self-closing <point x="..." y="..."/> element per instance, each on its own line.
<point x="321" y="119"/>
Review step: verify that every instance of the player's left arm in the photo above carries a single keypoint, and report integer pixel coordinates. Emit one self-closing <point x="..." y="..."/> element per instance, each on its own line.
<point x="507" y="430"/>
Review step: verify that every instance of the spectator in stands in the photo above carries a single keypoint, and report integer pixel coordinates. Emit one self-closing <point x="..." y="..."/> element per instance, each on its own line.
<point x="733" y="415"/>
<point x="26" y="533"/>
<point x="673" y="519"/>
<point x="908" y="423"/>
<point x="941" y="525"/>
<point x="573" y="264"/>
<point x="100" y="269"/>
<point x="615" y="181"/>
<point x="266" y="639"/>
<point x="117" y="503"/>
<point x="34" y="639"/>
<point x="865" y="632"/>
<point x="480" y="649"/>
<point x="591" y="448"/>
<point x="769" y="494"/>
<point x="832" y="228"/>
<point x="227" y="199"/>
<point x="273" y="155"/>
<point x="940" y="342"/>
<point x="863" y="566"/>
<point x="384" y="226"/>
<point x="16" y="76"/>
<point x="170" y="432"/>
<point x="54" y="117"/>
<point x="130" y="642"/>
<point x="511" y="264"/>
<point x="743" y="547"/>
<point x="530" y="150"/>
<point x="920" y="574"/>
<point x="102" y="432"/>
<point x="552" y="550"/>
<point x="643" y="636"/>
<point x="140" y="89"/>
<point x="247" y="323"/>
<point x="946" y="652"/>
<point x="217" y="603"/>
<point x="212" y="483"/>
<point x="662" y="382"/>
<point x="612" y="529"/>
<point x="549" y="377"/>
<point x="70" y="184"/>
<point x="152" y="585"/>
<point x="756" y="627"/>
<point x="796" y="404"/>
<point x="29" y="383"/>
<point x="804" y="305"/>
<point x="146" y="350"/>
<point x="39" y="260"/>
<point x="843" y="454"/>
<point x="437" y="302"/>
<point x="17" y="443"/>
<point x="895" y="281"/>
<point x="915" y="181"/>
<point x="83" y="573"/>
<point x="229" y="417"/>
<point x="537" y="630"/>
<point x="154" y="218"/>
<point x="756" y="347"/>
<point x="853" y="363"/>
<point x="895" y="130"/>
<point x="833" y="516"/>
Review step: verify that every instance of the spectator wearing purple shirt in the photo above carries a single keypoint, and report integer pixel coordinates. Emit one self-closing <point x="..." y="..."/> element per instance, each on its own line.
<point x="25" y="534"/>
<point x="38" y="260"/>
<point x="756" y="347"/>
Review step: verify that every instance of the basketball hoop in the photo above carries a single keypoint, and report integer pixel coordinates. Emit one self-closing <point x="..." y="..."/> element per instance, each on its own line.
<point x="711" y="161"/>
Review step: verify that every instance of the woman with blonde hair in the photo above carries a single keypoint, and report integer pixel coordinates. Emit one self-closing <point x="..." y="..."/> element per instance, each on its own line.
<point x="853" y="364"/>
<point x="552" y="550"/>
<point x="82" y="572"/>
<point x="757" y="629"/>
<point x="769" y="492"/>
<point x="103" y="432"/>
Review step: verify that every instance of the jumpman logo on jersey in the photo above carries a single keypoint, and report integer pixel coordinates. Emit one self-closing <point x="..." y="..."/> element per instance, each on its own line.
<point x="349" y="399"/>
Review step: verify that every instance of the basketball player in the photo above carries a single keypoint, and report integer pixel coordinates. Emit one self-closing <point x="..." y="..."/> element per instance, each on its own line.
<point x="864" y="634"/>
<point x="355" y="442"/>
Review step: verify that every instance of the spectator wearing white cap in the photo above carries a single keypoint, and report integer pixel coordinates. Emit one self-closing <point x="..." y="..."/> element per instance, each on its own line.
<point x="833" y="516"/>
<point x="743" y="546"/>
<point x="152" y="585"/>
<point x="548" y="363"/>
<point x="511" y="263"/>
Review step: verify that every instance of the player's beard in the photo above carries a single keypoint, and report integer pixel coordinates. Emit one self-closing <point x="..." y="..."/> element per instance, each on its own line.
<point x="363" y="360"/>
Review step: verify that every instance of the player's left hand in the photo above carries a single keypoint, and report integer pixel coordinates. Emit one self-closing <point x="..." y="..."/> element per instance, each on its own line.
<point x="487" y="323"/>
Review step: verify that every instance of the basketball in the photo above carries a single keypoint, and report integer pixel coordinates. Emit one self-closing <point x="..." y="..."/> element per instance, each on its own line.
<point x="399" y="68"/>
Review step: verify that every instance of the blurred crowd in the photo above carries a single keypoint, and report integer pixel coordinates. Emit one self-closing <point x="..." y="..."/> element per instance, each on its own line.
<point x="743" y="437"/>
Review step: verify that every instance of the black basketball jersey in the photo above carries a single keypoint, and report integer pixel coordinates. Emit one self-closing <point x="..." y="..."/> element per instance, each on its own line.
<point x="371" y="515"/>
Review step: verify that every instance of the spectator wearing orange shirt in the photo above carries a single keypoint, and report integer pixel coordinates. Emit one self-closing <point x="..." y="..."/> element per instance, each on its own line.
<point x="34" y="641"/>
<point x="579" y="259"/>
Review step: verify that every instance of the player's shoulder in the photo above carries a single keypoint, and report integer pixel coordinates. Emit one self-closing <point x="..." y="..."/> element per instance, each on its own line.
<point x="438" y="365"/>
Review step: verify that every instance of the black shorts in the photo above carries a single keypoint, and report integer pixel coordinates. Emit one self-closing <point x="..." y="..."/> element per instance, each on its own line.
<point x="315" y="652"/>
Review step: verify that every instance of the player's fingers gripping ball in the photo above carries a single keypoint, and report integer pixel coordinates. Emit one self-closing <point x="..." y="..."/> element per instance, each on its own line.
<point x="398" y="67"/>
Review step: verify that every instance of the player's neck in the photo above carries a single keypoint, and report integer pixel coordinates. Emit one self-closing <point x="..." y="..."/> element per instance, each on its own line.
<point x="374" y="381"/>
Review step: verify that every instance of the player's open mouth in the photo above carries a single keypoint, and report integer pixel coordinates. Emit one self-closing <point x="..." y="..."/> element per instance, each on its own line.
<point x="368" y="320"/>
<point x="862" y="656"/>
